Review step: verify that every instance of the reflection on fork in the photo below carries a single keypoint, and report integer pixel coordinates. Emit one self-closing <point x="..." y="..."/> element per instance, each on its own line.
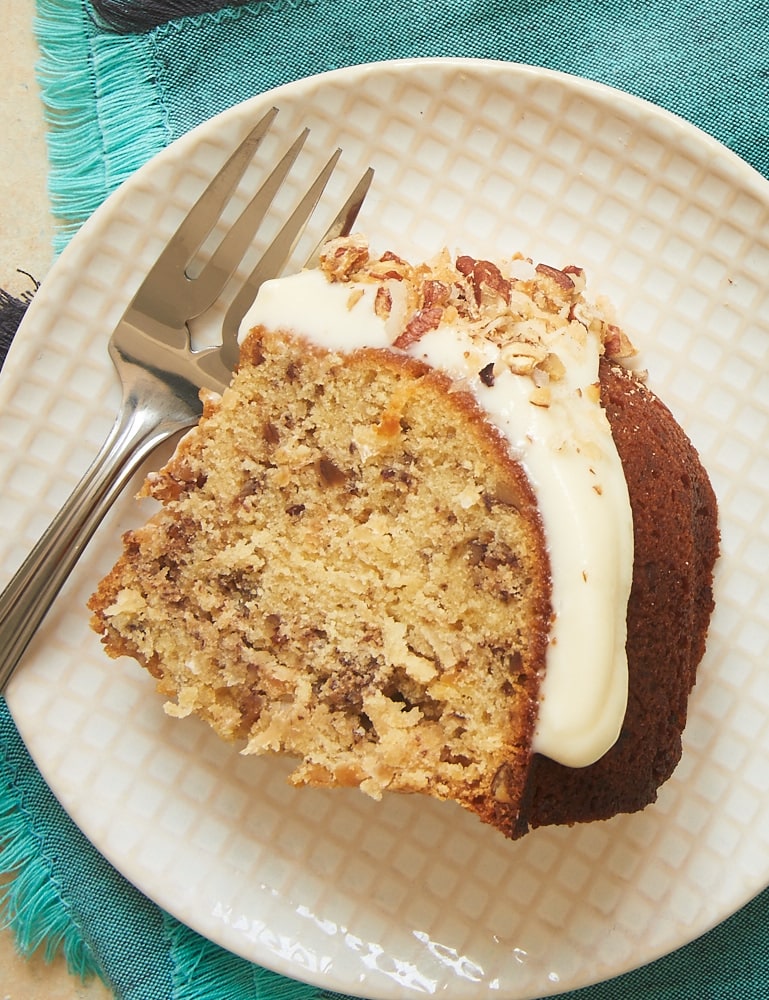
<point x="161" y="374"/>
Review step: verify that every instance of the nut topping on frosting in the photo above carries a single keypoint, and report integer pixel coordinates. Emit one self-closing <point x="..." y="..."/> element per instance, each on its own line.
<point x="518" y="306"/>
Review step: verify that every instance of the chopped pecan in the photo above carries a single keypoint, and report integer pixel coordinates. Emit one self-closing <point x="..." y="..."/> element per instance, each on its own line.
<point x="398" y="270"/>
<point x="389" y="255"/>
<point x="270" y="433"/>
<point x="562" y="278"/>
<point x="340" y="259"/>
<point x="483" y="275"/>
<point x="383" y="302"/>
<point x="617" y="344"/>
<point x="420" y="323"/>
<point x="330" y="473"/>
<point x="501" y="784"/>
<point x="487" y="274"/>
<point x="434" y="293"/>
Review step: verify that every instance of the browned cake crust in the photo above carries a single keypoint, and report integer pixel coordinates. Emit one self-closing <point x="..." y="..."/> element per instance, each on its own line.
<point x="676" y="543"/>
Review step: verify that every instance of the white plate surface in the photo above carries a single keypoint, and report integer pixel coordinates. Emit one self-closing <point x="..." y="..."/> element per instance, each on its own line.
<point x="412" y="896"/>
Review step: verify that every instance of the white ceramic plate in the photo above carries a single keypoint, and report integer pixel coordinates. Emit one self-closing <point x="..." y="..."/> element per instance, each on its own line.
<point x="411" y="896"/>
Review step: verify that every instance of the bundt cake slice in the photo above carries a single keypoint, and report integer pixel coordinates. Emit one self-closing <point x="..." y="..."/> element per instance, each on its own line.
<point x="399" y="548"/>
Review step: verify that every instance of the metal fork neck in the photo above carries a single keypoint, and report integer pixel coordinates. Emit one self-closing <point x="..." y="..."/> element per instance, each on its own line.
<point x="30" y="594"/>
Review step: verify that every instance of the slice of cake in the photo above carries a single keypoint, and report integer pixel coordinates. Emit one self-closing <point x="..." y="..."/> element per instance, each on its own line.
<point x="400" y="546"/>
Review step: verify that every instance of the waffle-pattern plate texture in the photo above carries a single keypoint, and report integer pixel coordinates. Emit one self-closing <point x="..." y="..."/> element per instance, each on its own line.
<point x="410" y="896"/>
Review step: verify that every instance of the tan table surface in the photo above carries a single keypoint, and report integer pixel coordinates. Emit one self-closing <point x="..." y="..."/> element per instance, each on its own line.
<point x="25" y="233"/>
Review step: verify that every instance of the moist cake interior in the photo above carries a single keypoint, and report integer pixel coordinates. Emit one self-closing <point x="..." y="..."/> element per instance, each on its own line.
<point x="349" y="568"/>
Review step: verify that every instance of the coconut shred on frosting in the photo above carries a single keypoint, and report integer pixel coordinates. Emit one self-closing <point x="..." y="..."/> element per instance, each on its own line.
<point x="524" y="341"/>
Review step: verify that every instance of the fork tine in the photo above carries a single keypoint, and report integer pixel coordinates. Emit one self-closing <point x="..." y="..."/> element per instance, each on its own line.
<point x="206" y="211"/>
<point x="218" y="362"/>
<point x="272" y="260"/>
<point x="207" y="285"/>
<point x="345" y="218"/>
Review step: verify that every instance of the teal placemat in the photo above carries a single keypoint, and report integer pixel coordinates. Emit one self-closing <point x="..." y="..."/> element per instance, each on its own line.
<point x="115" y="100"/>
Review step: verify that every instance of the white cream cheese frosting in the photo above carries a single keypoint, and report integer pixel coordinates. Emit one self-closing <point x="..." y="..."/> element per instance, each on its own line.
<point x="527" y="346"/>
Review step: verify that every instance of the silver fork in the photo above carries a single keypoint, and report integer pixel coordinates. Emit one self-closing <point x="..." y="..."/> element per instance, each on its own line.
<point x="161" y="374"/>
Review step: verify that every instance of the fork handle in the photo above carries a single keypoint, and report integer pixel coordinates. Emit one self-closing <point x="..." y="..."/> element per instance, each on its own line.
<point x="29" y="595"/>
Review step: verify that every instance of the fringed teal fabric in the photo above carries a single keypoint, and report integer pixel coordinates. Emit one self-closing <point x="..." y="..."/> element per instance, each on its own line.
<point x="59" y="894"/>
<point x="91" y="152"/>
<point x="202" y="971"/>
<point x="30" y="899"/>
